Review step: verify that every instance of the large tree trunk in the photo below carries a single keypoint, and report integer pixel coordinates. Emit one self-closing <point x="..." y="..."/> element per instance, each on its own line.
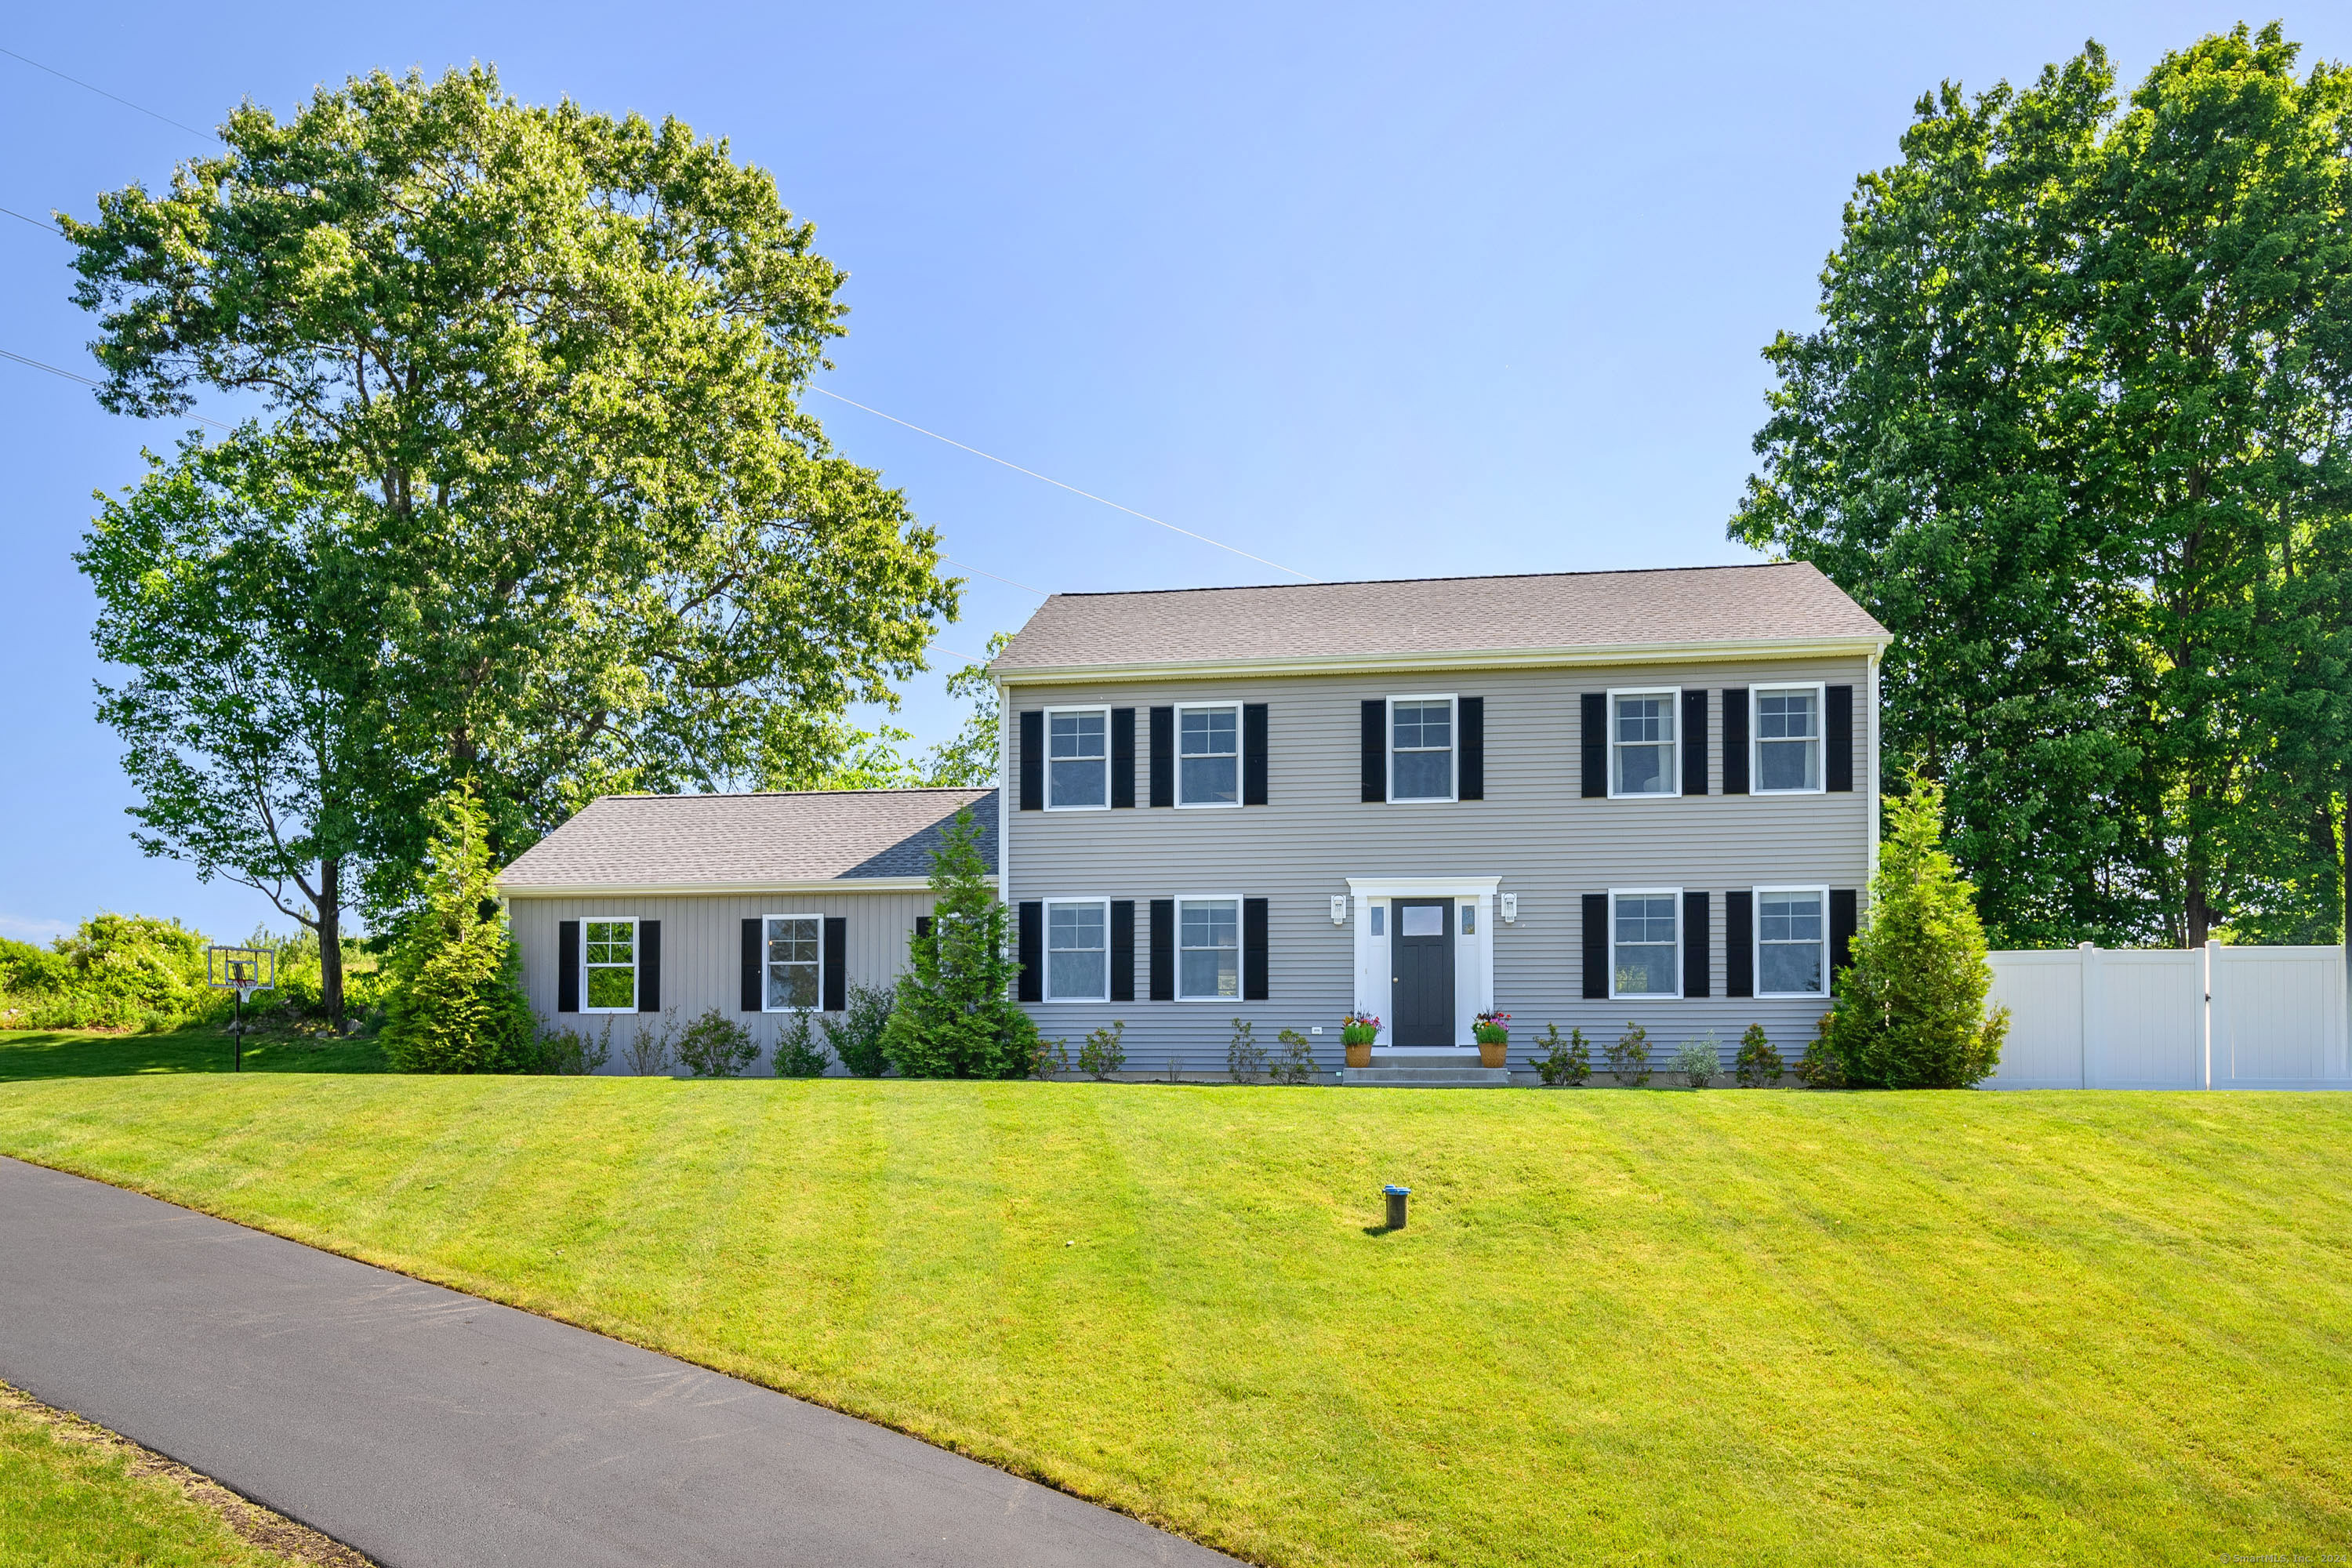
<point x="330" y="939"/>
<point x="2198" y="915"/>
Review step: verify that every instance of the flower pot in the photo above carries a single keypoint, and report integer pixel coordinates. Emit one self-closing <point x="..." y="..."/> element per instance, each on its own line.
<point x="1491" y="1052"/>
<point x="1359" y="1053"/>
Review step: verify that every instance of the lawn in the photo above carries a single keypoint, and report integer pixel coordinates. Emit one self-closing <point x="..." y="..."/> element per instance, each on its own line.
<point x="1718" y="1327"/>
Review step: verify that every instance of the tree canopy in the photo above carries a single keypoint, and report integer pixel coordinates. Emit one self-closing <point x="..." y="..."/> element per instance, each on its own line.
<point x="547" y="362"/>
<point x="2075" y="427"/>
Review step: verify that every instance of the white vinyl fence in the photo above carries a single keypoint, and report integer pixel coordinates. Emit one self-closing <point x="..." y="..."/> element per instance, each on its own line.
<point x="2215" y="1017"/>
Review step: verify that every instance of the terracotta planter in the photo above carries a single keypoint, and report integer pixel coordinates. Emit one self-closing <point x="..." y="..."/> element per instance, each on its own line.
<point x="1492" y="1052"/>
<point x="1360" y="1055"/>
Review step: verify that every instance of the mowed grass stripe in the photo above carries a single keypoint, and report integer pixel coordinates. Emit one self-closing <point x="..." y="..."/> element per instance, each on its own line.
<point x="1719" y="1327"/>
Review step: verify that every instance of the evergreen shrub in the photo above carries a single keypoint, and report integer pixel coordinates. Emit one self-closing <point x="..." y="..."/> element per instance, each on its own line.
<point x="1103" y="1054"/>
<point x="1629" y="1058"/>
<point x="856" y="1034"/>
<point x="955" y="1016"/>
<point x="1297" y="1063"/>
<point x="1757" y="1065"/>
<point x="1565" y="1062"/>
<point x="797" y="1052"/>
<point x="456" y="1002"/>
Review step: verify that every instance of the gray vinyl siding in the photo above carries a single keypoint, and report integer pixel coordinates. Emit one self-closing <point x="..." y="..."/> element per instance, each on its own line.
<point x="702" y="951"/>
<point x="1534" y="829"/>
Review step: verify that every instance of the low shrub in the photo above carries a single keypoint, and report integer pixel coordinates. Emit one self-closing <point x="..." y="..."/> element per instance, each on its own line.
<point x="1103" y="1054"/>
<point x="112" y="972"/>
<point x="1245" y="1058"/>
<point x="797" y="1052"/>
<point x="1047" y="1058"/>
<point x="651" y="1049"/>
<point x="716" y="1046"/>
<point x="1757" y="1065"/>
<point x="1699" y="1060"/>
<point x="1820" y="1068"/>
<point x="572" y="1054"/>
<point x="1297" y="1063"/>
<point x="855" y="1033"/>
<point x="1567" y="1062"/>
<point x="1629" y="1058"/>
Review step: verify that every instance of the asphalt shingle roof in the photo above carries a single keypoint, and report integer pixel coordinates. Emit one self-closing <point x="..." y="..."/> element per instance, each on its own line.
<point x="1782" y="601"/>
<point x="705" y="840"/>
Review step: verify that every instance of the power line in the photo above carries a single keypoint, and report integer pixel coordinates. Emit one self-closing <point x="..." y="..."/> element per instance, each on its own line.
<point x="103" y="93"/>
<point x="1025" y="587"/>
<point x="86" y="380"/>
<point x="1072" y="488"/>
<point x="37" y="222"/>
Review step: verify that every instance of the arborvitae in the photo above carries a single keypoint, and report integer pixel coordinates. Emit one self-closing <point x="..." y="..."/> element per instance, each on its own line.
<point x="456" y="1002"/>
<point x="955" y="1016"/>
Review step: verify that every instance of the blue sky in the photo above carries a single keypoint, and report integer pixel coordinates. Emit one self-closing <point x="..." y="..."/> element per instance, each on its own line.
<point x="1368" y="290"/>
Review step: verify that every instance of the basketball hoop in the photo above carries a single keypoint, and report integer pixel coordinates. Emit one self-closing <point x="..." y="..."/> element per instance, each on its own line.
<point x="244" y="970"/>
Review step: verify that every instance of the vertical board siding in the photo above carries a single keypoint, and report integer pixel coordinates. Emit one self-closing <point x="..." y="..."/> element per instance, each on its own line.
<point x="2043" y="993"/>
<point x="2278" y="1017"/>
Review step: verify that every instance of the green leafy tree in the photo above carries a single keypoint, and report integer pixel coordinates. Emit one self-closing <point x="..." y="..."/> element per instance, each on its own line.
<point x="1909" y="1012"/>
<point x="234" y="595"/>
<point x="549" y="362"/>
<point x="2074" y="428"/>
<point x="955" y="1015"/>
<point x="456" y="1002"/>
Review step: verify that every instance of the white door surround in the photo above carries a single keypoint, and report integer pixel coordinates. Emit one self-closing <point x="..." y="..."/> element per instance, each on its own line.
<point x="1473" y="951"/>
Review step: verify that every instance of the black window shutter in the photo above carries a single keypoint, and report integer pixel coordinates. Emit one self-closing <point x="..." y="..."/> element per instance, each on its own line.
<point x="1694" y="742"/>
<point x="1734" y="740"/>
<point x="1033" y="760"/>
<point x="922" y="925"/>
<point x="1163" y="949"/>
<point x="1254" y="964"/>
<point x="1163" y="756"/>
<point x="751" y="999"/>
<point x="1596" y="749"/>
<point x="1470" y="777"/>
<point x="1845" y="908"/>
<point x="1254" y="759"/>
<point x="567" y="966"/>
<point x="1122" y="757"/>
<point x="649" y="966"/>
<point x="1739" y="943"/>
<point x="1032" y="985"/>
<point x="1122" y="950"/>
<point x="1596" y="946"/>
<point x="1838" y="744"/>
<point x="1376" y="748"/>
<point x="1698" y="946"/>
<point x="836" y="963"/>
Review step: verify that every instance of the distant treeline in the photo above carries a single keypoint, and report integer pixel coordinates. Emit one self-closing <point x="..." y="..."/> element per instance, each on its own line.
<point x="136" y="971"/>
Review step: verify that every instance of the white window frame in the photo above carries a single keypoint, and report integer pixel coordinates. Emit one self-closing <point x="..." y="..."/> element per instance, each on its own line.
<point x="1681" y="935"/>
<point x="1755" y="940"/>
<point x="1241" y="746"/>
<point x="1674" y="696"/>
<point x="1820" y="738"/>
<point x="1101" y="708"/>
<point x="1241" y="944"/>
<point x="636" y="960"/>
<point x="1452" y="750"/>
<point x="765" y="921"/>
<point x="1046" y="949"/>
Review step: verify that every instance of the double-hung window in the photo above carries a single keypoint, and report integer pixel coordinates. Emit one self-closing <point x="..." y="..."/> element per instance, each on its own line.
<point x="1208" y="950"/>
<point x="1646" y="937"/>
<point x="1421" y="748"/>
<point x="1209" y="754"/>
<point x="1642" y="755"/>
<point x="609" y="955"/>
<point x="1077" y="749"/>
<point x="1792" y="950"/>
<point x="795" y="962"/>
<point x="1787" y="739"/>
<point x="1077" y="951"/>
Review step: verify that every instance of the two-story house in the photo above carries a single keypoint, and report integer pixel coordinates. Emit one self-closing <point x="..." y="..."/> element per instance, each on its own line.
<point x="1587" y="799"/>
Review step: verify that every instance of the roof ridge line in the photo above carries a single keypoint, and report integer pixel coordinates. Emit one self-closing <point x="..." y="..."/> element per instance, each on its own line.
<point x="1462" y="577"/>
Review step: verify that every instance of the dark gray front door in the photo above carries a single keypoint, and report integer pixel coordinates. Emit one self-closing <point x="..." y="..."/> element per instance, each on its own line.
<point x="1421" y="983"/>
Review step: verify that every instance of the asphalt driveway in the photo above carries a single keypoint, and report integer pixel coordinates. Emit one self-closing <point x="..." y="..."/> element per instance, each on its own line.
<point x="425" y="1428"/>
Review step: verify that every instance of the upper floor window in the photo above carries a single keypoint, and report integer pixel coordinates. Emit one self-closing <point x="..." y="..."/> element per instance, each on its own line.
<point x="1209" y="756"/>
<point x="1642" y="753"/>
<point x="1788" y="738"/>
<point x="795" y="962"/>
<point x="1077" y="951"/>
<point x="1646" y="943"/>
<point x="1421" y="748"/>
<point x="1078" y="751"/>
<point x="1791" y="942"/>
<point x="609" y="953"/>
<point x="1208" y="949"/>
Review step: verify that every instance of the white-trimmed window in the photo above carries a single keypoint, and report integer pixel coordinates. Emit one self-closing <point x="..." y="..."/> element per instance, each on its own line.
<point x="608" y="962"/>
<point x="1209" y="754"/>
<point x="795" y="962"/>
<point x="1078" y="950"/>
<point x="1792" y="942"/>
<point x="1421" y="748"/>
<point x="1077" y="759"/>
<point x="1788" y="741"/>
<point x="1645" y="947"/>
<point x="1645" y="756"/>
<point x="1208" y="950"/>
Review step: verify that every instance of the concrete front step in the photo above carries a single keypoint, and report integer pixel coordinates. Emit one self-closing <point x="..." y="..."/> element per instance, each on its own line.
<point x="1449" y="1077"/>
